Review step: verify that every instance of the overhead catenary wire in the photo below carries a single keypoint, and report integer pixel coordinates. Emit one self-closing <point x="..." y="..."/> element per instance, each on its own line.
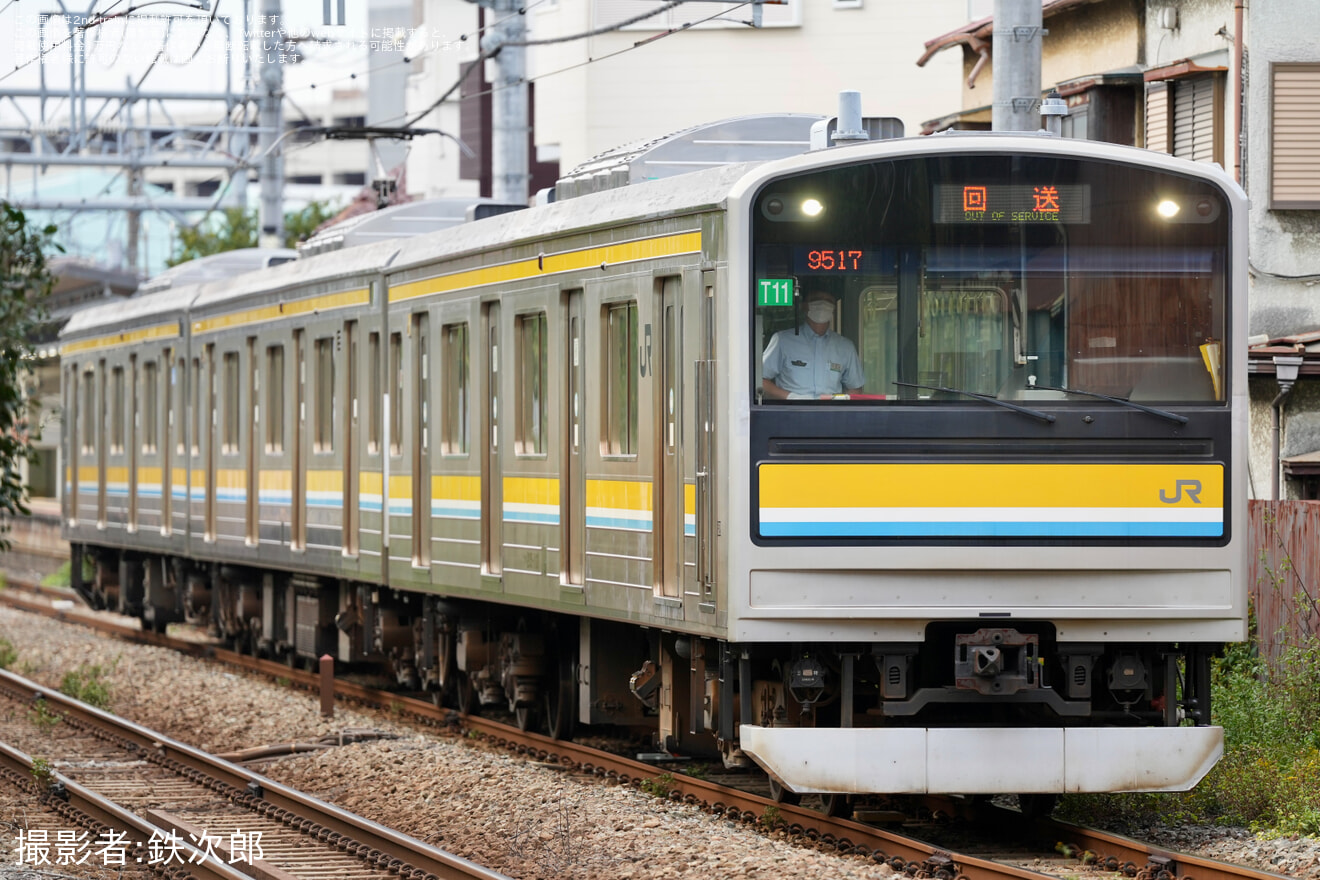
<point x="637" y="45"/>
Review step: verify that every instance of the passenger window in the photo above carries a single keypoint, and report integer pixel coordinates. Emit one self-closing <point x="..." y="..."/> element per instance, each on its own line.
<point x="149" y="379"/>
<point x="229" y="443"/>
<point x="532" y="385"/>
<point x="89" y="413"/>
<point x="275" y="398"/>
<point x="454" y="428"/>
<point x="324" y="412"/>
<point x="376" y="393"/>
<point x="619" y="420"/>
<point x="396" y="393"/>
<point x="117" y="410"/>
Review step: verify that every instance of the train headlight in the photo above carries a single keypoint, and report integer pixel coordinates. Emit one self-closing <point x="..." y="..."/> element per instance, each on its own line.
<point x="1168" y="209"/>
<point x="812" y="207"/>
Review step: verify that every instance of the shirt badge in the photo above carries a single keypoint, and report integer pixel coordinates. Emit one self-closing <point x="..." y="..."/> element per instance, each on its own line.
<point x="799" y="363"/>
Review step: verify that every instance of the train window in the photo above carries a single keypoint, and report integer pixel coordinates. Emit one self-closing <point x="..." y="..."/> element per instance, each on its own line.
<point x="177" y="418"/>
<point x="396" y="394"/>
<point x="117" y="410"/>
<point x="620" y="386"/>
<point x="89" y="408"/>
<point x="454" y="426"/>
<point x="196" y="398"/>
<point x="230" y="411"/>
<point x="324" y="404"/>
<point x="150" y="378"/>
<point x="929" y="278"/>
<point x="275" y="398"/>
<point x="375" y="392"/>
<point x="533" y="365"/>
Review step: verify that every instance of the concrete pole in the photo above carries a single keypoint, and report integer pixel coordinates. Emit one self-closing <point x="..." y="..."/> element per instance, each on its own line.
<point x="1016" y="51"/>
<point x="271" y="116"/>
<point x="510" y="177"/>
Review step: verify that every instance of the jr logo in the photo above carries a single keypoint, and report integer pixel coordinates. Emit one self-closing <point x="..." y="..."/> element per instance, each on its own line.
<point x="1193" y="488"/>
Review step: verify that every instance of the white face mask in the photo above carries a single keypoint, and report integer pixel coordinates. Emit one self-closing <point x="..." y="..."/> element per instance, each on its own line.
<point x="820" y="312"/>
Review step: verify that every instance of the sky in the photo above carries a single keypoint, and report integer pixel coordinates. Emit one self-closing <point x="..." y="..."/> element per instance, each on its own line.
<point x="165" y="45"/>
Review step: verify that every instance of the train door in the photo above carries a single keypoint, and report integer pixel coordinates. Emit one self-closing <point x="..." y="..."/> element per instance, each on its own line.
<point x="492" y="488"/>
<point x="352" y="518"/>
<point x="253" y="481"/>
<point x="298" y="503"/>
<point x="706" y="448"/>
<point x="132" y="446"/>
<point x="572" y="485"/>
<point x="167" y="448"/>
<point x="668" y="512"/>
<point x="420" y="441"/>
<point x="212" y="429"/>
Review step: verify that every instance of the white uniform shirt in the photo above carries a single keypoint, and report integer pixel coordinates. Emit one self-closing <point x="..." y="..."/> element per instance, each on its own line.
<point x="805" y="363"/>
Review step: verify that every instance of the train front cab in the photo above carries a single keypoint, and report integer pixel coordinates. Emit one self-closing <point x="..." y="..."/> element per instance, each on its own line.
<point x="1005" y="564"/>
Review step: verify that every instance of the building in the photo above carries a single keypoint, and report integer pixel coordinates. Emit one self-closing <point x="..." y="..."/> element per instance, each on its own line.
<point x="636" y="81"/>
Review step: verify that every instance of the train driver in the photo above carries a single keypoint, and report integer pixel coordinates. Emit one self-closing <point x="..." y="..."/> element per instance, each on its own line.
<point x="811" y="361"/>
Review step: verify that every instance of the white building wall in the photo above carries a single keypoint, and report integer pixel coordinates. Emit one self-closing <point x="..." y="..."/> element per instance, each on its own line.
<point x="584" y="107"/>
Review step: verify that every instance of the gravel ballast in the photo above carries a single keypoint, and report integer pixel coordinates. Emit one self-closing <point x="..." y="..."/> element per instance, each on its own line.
<point x="518" y="817"/>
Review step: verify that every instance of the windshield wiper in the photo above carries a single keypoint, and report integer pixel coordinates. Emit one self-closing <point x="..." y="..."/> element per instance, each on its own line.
<point x="1162" y="413"/>
<point x="1034" y="413"/>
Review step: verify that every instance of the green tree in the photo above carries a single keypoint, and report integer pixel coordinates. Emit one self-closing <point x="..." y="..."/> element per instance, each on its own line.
<point x="25" y="282"/>
<point x="233" y="228"/>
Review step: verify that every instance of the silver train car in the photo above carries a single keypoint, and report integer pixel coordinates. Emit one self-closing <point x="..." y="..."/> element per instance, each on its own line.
<point x="544" y="462"/>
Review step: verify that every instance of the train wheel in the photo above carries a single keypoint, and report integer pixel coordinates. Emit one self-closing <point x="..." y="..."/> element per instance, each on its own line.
<point x="560" y="705"/>
<point x="835" y="805"/>
<point x="466" y="695"/>
<point x="781" y="795"/>
<point x="527" y="717"/>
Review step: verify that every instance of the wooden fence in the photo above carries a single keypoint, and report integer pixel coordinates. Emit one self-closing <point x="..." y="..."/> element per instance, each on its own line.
<point x="1284" y="572"/>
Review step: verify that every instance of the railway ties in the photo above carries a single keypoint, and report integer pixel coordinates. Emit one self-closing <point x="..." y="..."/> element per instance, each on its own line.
<point x="135" y="798"/>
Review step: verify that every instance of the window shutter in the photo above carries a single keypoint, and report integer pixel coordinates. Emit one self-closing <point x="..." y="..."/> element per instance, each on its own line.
<point x="1194" y="119"/>
<point x="1157" y="117"/>
<point x="1295" y="127"/>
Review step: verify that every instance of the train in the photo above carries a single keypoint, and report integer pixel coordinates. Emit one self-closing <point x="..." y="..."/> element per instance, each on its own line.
<point x="536" y="463"/>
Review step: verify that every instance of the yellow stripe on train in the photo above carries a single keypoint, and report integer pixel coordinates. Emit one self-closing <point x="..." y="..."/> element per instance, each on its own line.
<point x="1158" y="486"/>
<point x="567" y="261"/>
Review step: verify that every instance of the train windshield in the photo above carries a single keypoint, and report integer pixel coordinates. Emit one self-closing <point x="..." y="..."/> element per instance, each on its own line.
<point x="1010" y="276"/>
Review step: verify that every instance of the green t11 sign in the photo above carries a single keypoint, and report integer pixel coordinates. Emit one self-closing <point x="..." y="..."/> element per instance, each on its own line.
<point x="774" y="292"/>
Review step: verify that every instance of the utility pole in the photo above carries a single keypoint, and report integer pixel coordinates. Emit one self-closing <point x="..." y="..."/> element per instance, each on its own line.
<point x="271" y="120"/>
<point x="1016" y="50"/>
<point x="510" y="176"/>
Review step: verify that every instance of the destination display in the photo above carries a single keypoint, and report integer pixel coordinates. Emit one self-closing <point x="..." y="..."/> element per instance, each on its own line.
<point x="1012" y="203"/>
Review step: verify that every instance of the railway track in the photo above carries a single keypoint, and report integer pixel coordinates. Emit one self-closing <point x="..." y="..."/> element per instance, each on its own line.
<point x="903" y="853"/>
<point x="149" y="799"/>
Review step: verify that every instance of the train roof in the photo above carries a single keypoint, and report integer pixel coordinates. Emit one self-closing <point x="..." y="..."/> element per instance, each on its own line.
<point x="135" y="311"/>
<point x="691" y="192"/>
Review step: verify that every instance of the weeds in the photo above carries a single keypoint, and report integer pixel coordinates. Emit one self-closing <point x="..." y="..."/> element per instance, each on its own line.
<point x="660" y="786"/>
<point x="87" y="683"/>
<point x="771" y="819"/>
<point x="43" y="772"/>
<point x="8" y="653"/>
<point x="283" y="682"/>
<point x="42" y="717"/>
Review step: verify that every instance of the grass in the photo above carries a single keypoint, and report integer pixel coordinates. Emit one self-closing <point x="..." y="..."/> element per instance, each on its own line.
<point x="87" y="683"/>
<point x="1269" y="777"/>
<point x="8" y="653"/>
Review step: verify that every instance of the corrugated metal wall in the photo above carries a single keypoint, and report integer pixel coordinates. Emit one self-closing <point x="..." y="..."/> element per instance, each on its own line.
<point x="1284" y="572"/>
